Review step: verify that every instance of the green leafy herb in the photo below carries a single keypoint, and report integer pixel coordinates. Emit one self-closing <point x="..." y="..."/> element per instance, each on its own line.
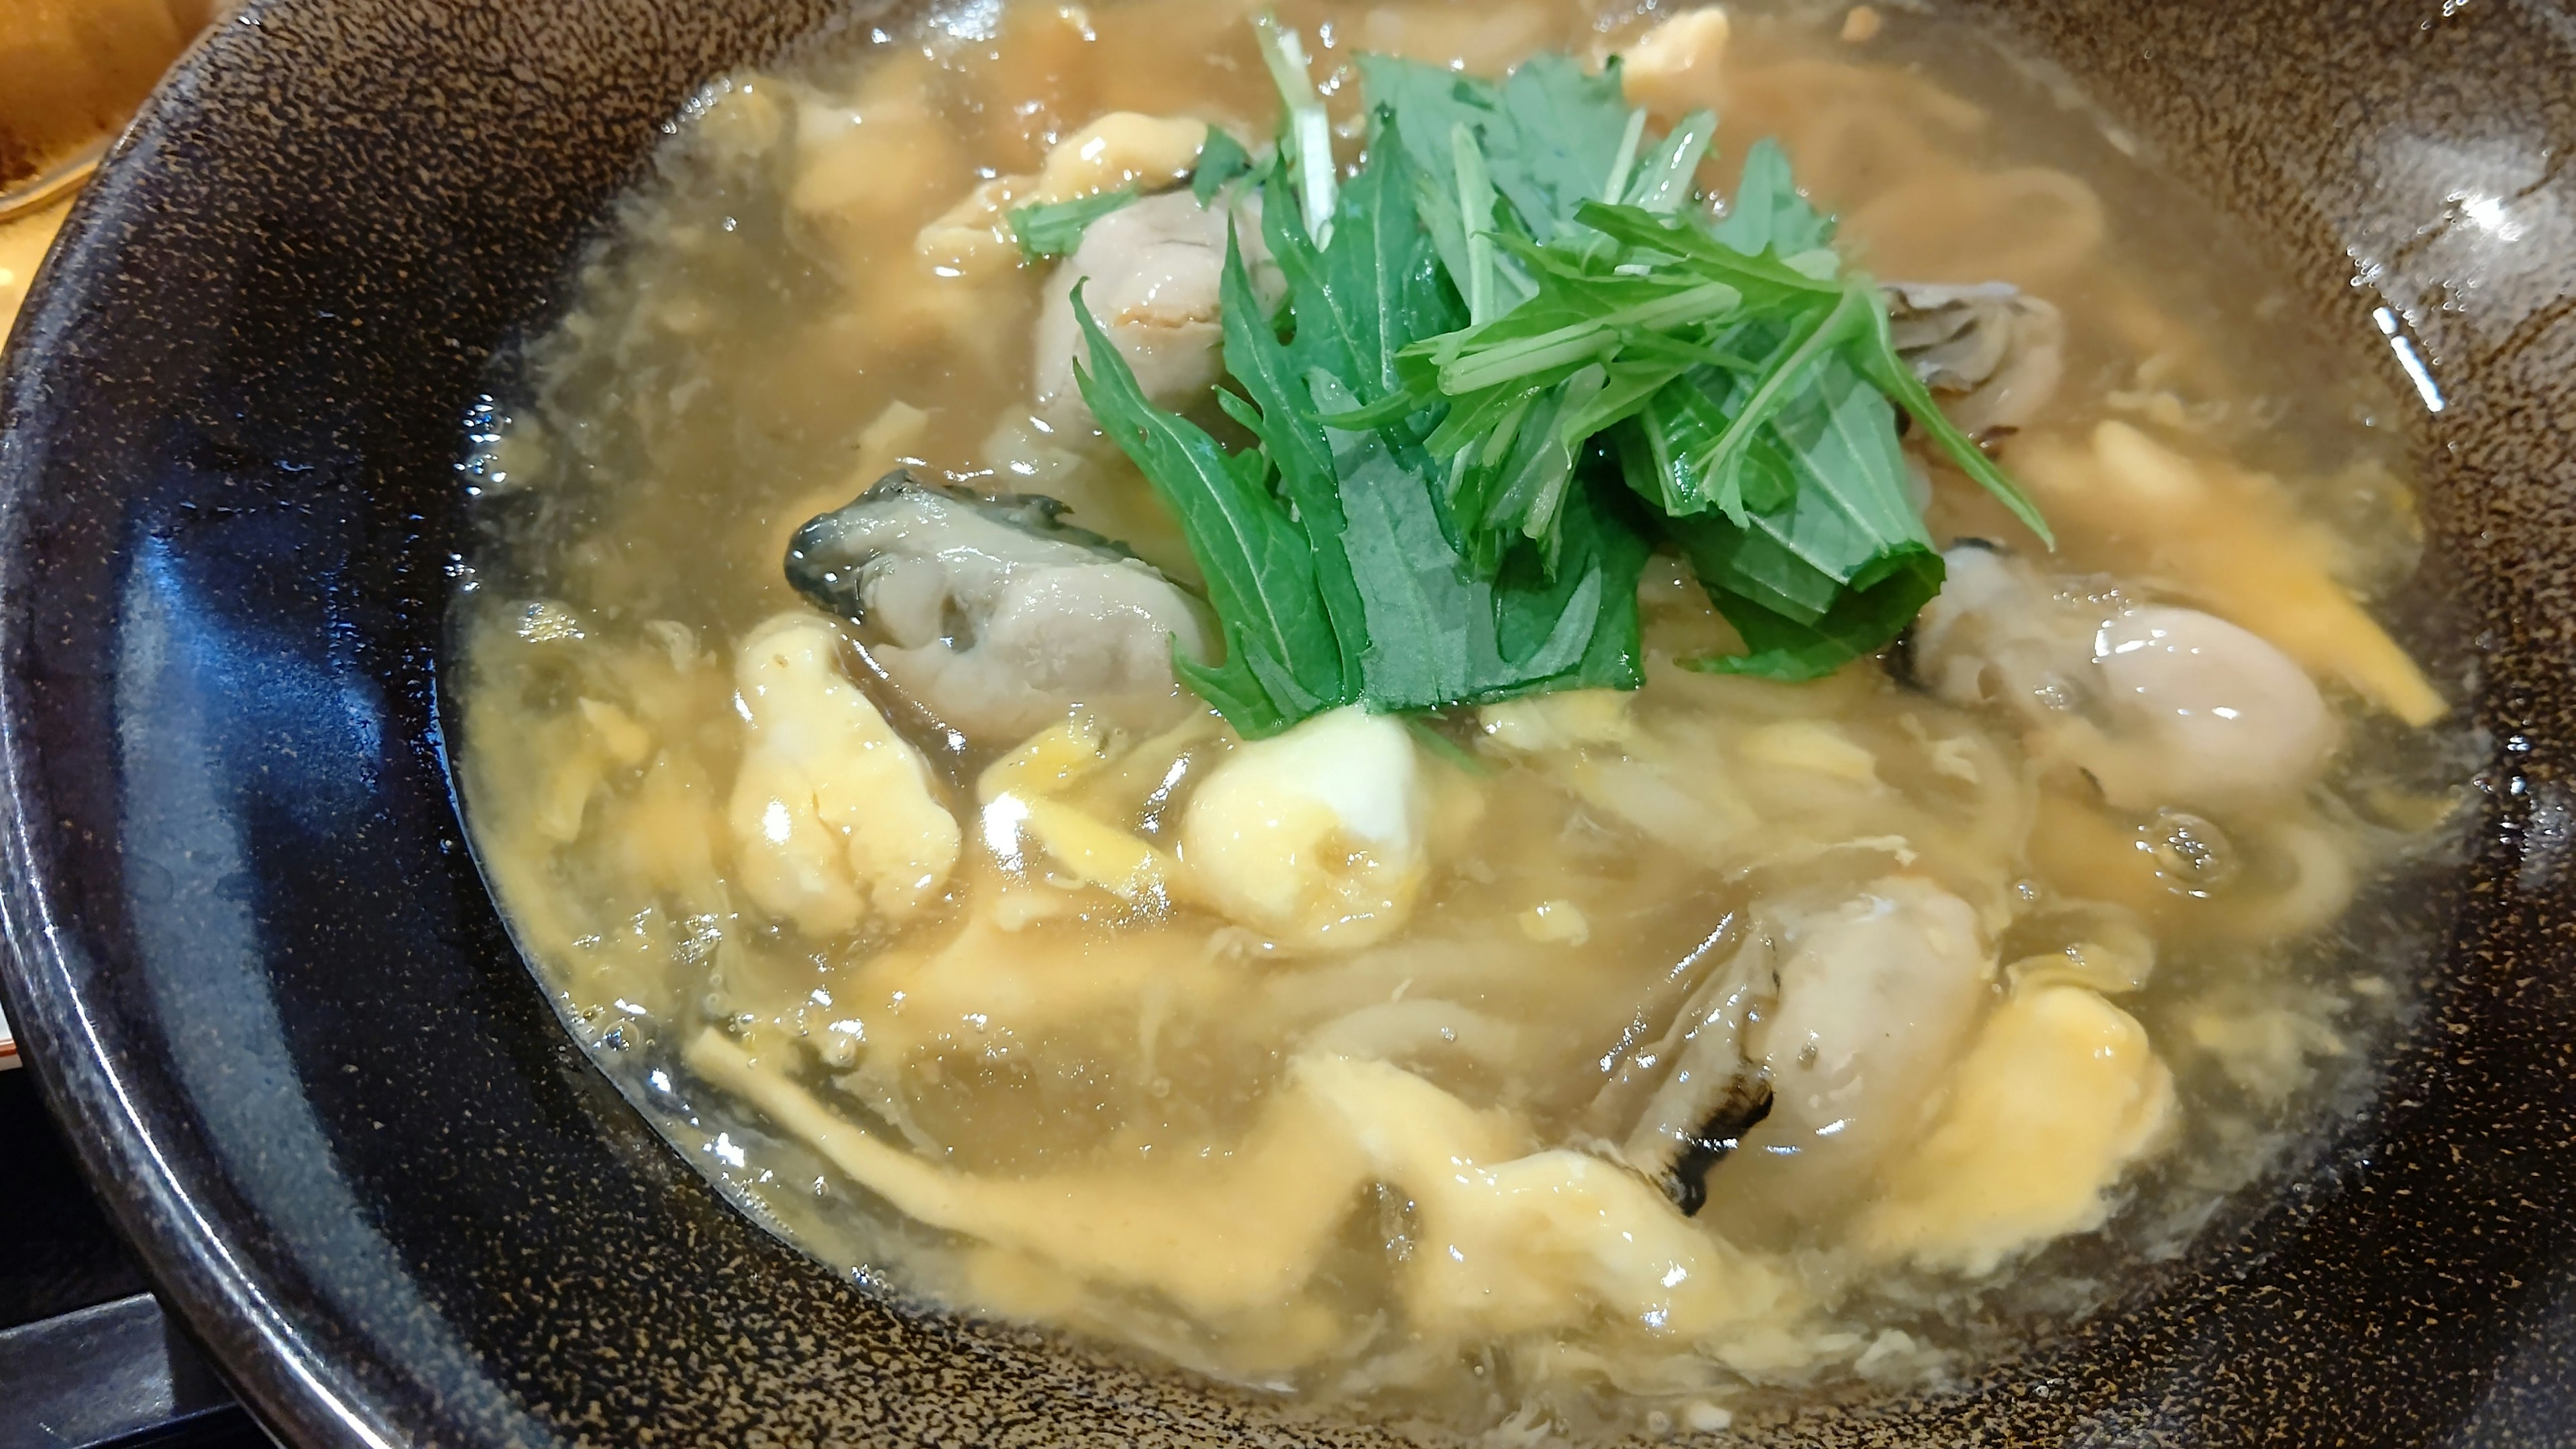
<point x="1436" y="630"/>
<point x="1551" y="135"/>
<point x="1859" y="622"/>
<point x="1382" y="609"/>
<point x="1664" y="182"/>
<point x="1749" y="384"/>
<point x="1273" y="407"/>
<point x="1054" y="229"/>
<point x="1222" y="161"/>
<point x="1441" y="747"/>
<point x="1828" y="551"/>
<point x="1282" y="661"/>
<point x="1512" y="354"/>
<point x="1438" y="634"/>
<point x="1768" y="214"/>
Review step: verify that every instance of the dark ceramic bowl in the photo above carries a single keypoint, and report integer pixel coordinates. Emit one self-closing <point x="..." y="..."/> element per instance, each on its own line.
<point x="263" y="985"/>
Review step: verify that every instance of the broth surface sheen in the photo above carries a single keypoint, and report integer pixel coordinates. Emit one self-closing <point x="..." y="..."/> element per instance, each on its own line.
<point x="1371" y="1063"/>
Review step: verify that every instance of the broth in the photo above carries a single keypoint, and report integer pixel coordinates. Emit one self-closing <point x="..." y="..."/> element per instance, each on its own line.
<point x="1358" y="1119"/>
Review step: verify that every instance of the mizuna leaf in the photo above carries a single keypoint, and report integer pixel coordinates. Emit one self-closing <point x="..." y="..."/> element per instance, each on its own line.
<point x="1835" y="525"/>
<point x="1768" y="214"/>
<point x="1055" y="229"/>
<point x="1283" y="661"/>
<point x="1222" y="161"/>
<point x="1271" y="408"/>
<point x="1438" y="634"/>
<point x="1862" y="621"/>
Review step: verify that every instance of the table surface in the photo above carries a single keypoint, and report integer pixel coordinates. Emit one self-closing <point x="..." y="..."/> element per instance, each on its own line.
<point x="87" y="1359"/>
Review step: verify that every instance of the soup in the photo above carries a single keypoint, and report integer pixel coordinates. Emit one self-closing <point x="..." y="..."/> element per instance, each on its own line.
<point x="1284" y="811"/>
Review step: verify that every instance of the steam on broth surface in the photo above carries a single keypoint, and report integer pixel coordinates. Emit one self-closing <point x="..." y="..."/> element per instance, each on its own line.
<point x="1577" y="1061"/>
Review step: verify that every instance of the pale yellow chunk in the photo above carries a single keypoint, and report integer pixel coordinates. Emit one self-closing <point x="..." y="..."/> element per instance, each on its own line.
<point x="1215" y="1236"/>
<point x="832" y="815"/>
<point x="1316" y="837"/>
<point x="1509" y="1240"/>
<point x="975" y="235"/>
<point x="1561" y="721"/>
<point x="1150" y="153"/>
<point x="1046" y="762"/>
<point x="1099" y="854"/>
<point x="1817" y="747"/>
<point x="1556" y="923"/>
<point x="869" y="163"/>
<point x="2060" y="1095"/>
<point x="1018" y="792"/>
<point x="1674" y="67"/>
<point x="624" y="741"/>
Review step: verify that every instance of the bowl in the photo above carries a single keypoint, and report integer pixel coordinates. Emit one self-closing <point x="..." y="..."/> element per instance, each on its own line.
<point x="262" y="984"/>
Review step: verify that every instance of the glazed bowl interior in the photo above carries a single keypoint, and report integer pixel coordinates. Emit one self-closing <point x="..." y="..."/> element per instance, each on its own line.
<point x="265" y="986"/>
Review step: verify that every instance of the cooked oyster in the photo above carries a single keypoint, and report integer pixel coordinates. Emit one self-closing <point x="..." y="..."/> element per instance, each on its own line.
<point x="1991" y="354"/>
<point x="1154" y="273"/>
<point x="2165" y="707"/>
<point x="1770" y="1048"/>
<point x="993" y="613"/>
<point x="1680" y="1105"/>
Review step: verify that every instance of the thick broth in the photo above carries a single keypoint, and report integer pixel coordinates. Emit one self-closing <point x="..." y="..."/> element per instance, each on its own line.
<point x="1128" y="1115"/>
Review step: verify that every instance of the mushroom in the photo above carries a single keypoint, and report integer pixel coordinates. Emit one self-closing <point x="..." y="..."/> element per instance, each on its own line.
<point x="994" y="614"/>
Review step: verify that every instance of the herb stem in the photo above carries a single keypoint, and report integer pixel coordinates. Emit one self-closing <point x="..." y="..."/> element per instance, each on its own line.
<point x="1666" y="181"/>
<point x="1309" y="133"/>
<point x="1507" y="361"/>
<point x="1476" y="203"/>
<point x="1675" y="238"/>
<point x="1890" y="374"/>
<point x="1830" y="331"/>
<point x="1284" y="51"/>
<point x="1580" y="392"/>
<point x="1317" y="183"/>
<point x="1621" y="169"/>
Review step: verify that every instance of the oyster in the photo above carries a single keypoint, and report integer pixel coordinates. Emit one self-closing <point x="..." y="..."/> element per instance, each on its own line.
<point x="995" y="615"/>
<point x="1993" y="355"/>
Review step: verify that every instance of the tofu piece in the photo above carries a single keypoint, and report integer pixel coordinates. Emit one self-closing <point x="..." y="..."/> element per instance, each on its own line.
<point x="1315" y="838"/>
